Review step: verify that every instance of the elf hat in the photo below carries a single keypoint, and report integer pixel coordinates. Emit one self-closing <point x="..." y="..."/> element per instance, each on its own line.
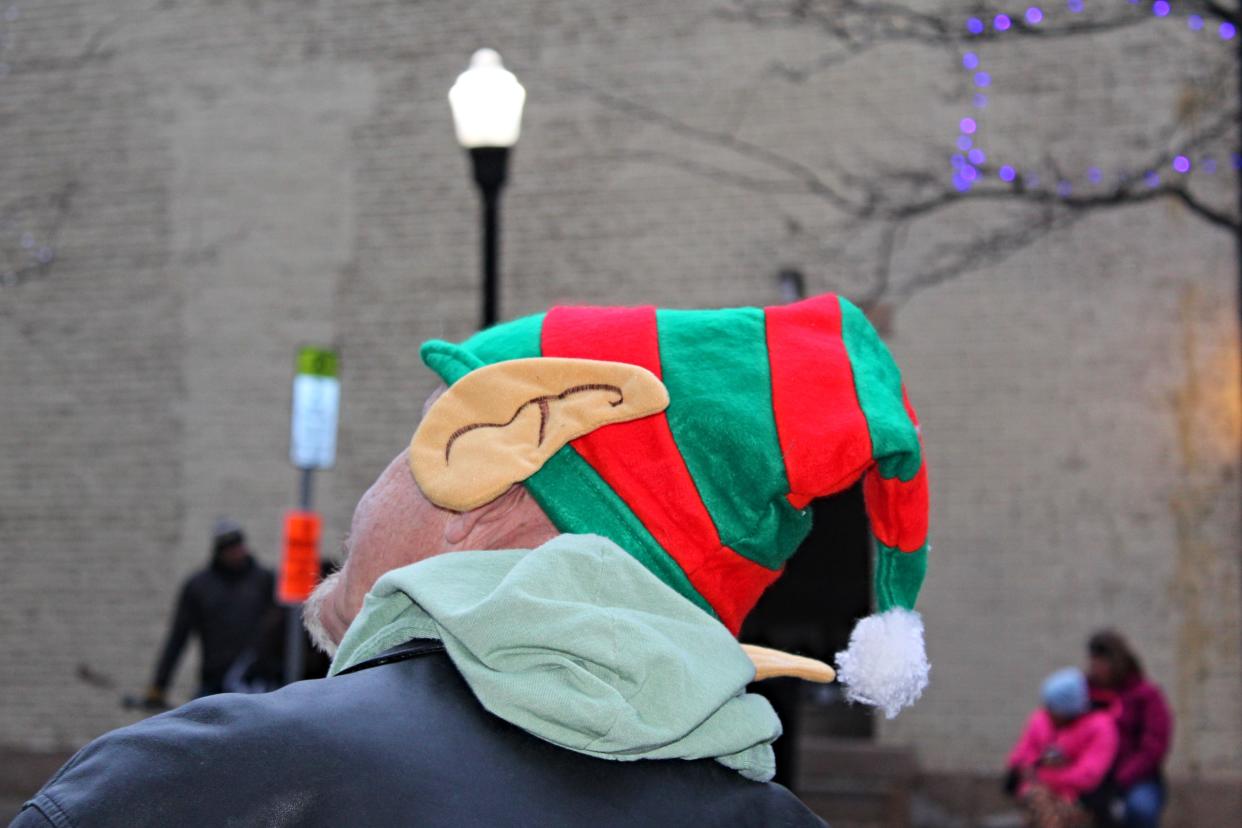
<point x="696" y="440"/>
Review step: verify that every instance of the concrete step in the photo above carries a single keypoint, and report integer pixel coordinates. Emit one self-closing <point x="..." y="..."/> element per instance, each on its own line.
<point x="837" y="718"/>
<point x="826" y="757"/>
<point x="853" y="783"/>
<point x="851" y="804"/>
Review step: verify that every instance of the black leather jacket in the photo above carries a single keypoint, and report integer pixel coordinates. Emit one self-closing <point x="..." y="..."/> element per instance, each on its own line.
<point x="399" y="740"/>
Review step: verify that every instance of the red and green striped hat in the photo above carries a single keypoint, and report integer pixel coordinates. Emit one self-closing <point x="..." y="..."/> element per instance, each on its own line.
<point x="769" y="408"/>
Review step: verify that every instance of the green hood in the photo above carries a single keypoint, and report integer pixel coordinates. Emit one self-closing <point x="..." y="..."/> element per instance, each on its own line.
<point x="578" y="644"/>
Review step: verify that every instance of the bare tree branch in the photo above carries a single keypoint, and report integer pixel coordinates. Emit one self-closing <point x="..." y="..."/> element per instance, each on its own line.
<point x="887" y="246"/>
<point x="715" y="172"/>
<point x="1217" y="10"/>
<point x="949" y="261"/>
<point x="51" y="212"/>
<point x="899" y="198"/>
<point x="796" y="170"/>
<point x="854" y="27"/>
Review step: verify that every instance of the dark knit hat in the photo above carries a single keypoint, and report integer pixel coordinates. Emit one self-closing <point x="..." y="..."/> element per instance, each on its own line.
<point x="226" y="533"/>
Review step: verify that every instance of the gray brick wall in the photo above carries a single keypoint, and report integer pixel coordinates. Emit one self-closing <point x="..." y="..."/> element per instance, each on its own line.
<point x="220" y="182"/>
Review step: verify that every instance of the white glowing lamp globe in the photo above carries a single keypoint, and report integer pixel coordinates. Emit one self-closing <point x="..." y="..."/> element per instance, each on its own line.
<point x="487" y="103"/>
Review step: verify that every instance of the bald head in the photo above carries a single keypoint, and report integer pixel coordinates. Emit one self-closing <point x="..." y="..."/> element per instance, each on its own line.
<point x="394" y="525"/>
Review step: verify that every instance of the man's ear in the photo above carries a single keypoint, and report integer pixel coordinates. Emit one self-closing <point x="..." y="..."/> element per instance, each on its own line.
<point x="465" y="524"/>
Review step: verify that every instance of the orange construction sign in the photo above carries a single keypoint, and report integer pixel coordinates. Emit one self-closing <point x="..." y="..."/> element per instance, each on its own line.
<point x="299" y="568"/>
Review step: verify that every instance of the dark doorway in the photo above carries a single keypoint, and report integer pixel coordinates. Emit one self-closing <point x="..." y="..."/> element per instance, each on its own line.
<point x="811" y="610"/>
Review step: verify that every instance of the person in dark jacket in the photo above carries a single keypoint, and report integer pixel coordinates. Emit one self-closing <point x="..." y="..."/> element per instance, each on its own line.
<point x="1144" y="725"/>
<point x="525" y="636"/>
<point x="224" y="605"/>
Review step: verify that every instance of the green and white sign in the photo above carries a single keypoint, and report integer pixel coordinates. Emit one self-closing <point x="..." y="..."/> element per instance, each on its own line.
<point x="316" y="405"/>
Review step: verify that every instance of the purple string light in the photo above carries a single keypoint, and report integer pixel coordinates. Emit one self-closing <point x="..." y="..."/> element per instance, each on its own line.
<point x="966" y="168"/>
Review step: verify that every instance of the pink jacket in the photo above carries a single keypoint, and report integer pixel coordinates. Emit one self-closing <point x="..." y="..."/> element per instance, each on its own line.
<point x="1145" y="728"/>
<point x="1088" y="745"/>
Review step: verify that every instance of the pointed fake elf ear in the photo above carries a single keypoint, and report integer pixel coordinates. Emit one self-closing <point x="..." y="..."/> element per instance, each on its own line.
<point x="771" y="663"/>
<point x="500" y="423"/>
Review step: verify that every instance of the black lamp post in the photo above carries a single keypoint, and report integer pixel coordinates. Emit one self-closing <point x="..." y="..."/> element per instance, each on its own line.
<point x="793" y="286"/>
<point x="487" y="103"/>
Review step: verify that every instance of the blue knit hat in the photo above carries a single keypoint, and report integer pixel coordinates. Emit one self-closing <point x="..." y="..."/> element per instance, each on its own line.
<point x="1065" y="693"/>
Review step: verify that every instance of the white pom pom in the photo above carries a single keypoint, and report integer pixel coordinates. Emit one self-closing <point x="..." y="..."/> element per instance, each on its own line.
<point x="885" y="664"/>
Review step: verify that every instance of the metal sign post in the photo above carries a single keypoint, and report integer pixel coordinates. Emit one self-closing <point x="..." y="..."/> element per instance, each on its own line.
<point x="312" y="445"/>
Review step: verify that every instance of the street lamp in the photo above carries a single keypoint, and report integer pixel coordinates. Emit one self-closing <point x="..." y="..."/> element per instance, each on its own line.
<point x="487" y="113"/>
<point x="793" y="286"/>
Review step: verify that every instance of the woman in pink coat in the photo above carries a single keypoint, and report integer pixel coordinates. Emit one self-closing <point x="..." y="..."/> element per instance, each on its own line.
<point x="1144" y="725"/>
<point x="1064" y="753"/>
